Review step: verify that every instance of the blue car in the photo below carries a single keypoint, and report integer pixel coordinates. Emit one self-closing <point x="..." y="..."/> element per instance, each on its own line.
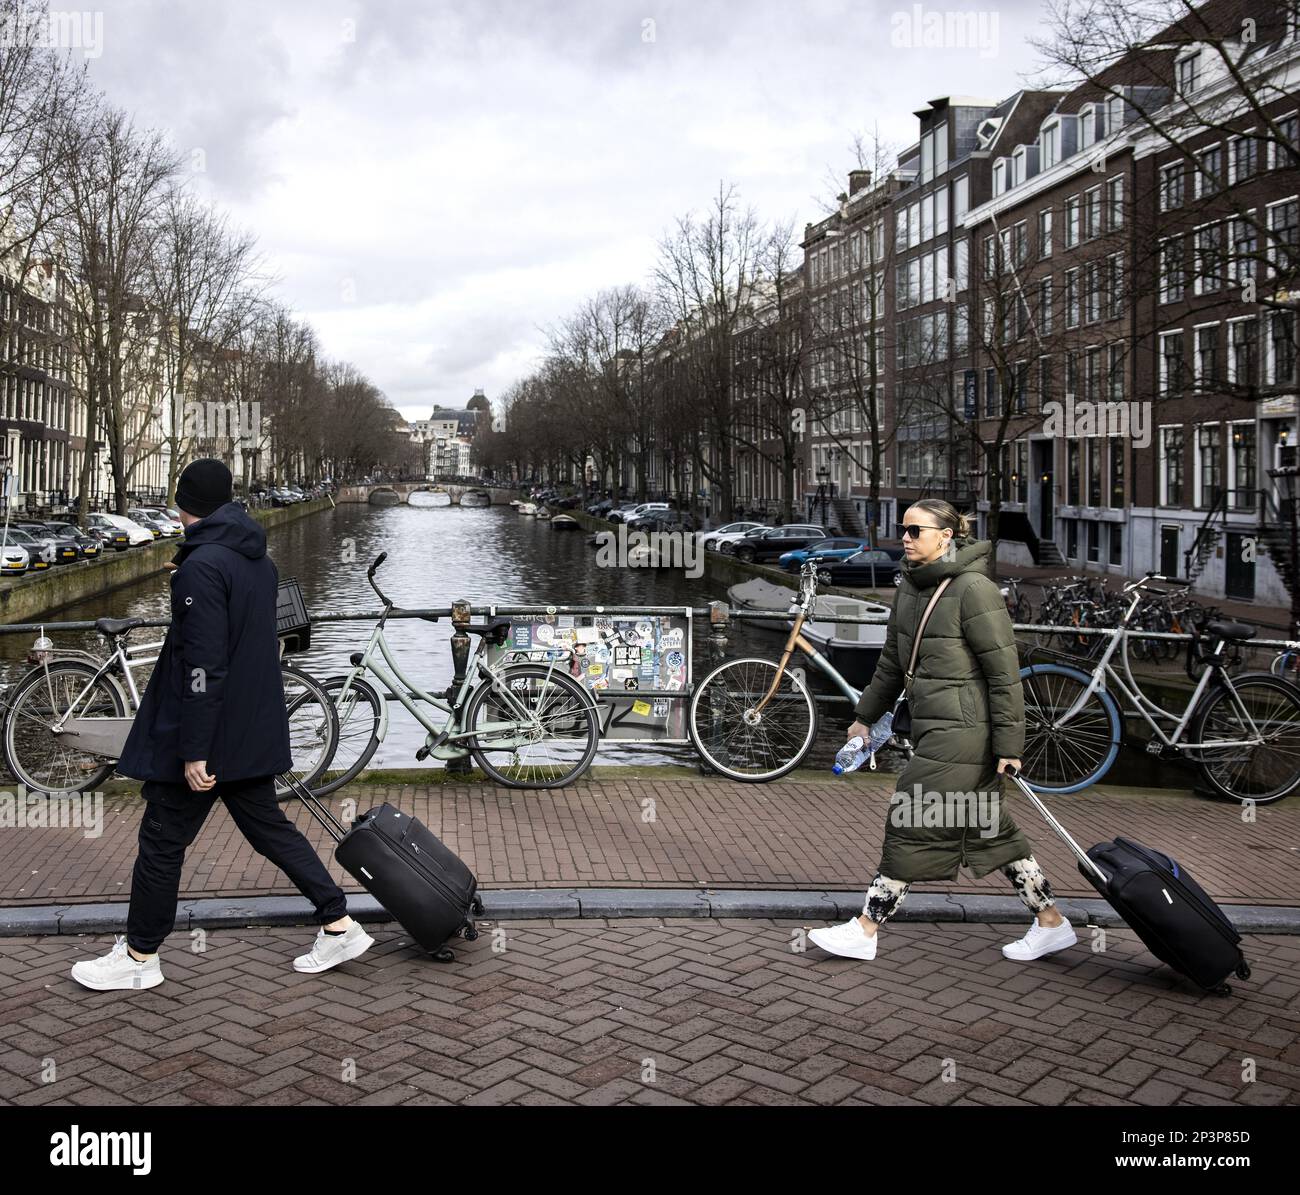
<point x="826" y="549"/>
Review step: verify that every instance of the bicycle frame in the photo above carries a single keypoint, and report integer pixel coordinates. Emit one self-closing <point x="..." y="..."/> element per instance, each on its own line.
<point x="442" y="738"/>
<point x="1148" y="709"/>
<point x="100" y="735"/>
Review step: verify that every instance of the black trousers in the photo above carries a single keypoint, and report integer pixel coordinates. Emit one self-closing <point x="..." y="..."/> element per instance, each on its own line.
<point x="172" y="819"/>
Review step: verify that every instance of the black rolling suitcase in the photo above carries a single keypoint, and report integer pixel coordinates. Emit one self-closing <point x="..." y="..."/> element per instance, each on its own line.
<point x="1161" y="903"/>
<point x="403" y="865"/>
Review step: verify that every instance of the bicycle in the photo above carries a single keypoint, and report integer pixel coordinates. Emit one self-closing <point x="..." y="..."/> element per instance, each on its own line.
<point x="68" y="718"/>
<point x="1243" y="732"/>
<point x="754" y="720"/>
<point x="541" y="720"/>
<point x="1018" y="604"/>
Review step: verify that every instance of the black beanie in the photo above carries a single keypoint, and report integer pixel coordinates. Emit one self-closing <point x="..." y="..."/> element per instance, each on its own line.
<point x="203" y="486"/>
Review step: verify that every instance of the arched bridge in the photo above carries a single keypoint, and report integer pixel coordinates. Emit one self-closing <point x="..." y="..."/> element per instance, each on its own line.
<point x="380" y="493"/>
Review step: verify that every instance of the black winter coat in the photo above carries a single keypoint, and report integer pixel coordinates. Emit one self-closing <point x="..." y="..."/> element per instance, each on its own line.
<point x="216" y="693"/>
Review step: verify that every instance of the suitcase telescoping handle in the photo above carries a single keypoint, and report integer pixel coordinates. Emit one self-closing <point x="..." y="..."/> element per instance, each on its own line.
<point x="1064" y="834"/>
<point x="333" y="827"/>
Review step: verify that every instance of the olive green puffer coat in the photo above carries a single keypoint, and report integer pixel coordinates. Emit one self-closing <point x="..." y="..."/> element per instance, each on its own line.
<point x="967" y="711"/>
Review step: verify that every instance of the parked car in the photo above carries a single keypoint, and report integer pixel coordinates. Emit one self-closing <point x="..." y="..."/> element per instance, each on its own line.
<point x="770" y="543"/>
<point x="62" y="548"/>
<point x="662" y="520"/>
<point x="168" y="516"/>
<point x="712" y="541"/>
<point x="135" y="533"/>
<point x="151" y="522"/>
<point x="90" y="546"/>
<point x="14" y="559"/>
<point x="856" y="571"/>
<point x="625" y="515"/>
<point x="602" y="508"/>
<point x="839" y="548"/>
<point x="37" y="553"/>
<point x="112" y="535"/>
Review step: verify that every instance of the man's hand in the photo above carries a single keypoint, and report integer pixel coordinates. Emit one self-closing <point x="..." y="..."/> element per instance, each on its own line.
<point x="196" y="775"/>
<point x="1002" y="765"/>
<point x="858" y="729"/>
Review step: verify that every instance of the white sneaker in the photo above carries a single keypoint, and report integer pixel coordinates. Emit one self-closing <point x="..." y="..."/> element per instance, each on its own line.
<point x="1040" y="941"/>
<point x="117" y="969"/>
<point x="849" y="940"/>
<point x="331" y="949"/>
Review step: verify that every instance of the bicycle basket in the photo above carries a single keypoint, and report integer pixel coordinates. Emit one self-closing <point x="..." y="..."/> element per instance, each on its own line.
<point x="292" y="623"/>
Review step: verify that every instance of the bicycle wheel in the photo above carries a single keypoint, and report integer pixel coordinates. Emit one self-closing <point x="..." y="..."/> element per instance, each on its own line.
<point x="313" y="727"/>
<point x="1266" y="771"/>
<point x="359" y="717"/>
<point x="49" y="762"/>
<point x="744" y="743"/>
<point x="1023" y="612"/>
<point x="550" y="753"/>
<point x="1047" y="616"/>
<point x="1066" y="758"/>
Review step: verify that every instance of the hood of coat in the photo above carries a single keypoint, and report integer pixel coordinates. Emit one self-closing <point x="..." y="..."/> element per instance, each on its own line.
<point x="229" y="525"/>
<point x="971" y="556"/>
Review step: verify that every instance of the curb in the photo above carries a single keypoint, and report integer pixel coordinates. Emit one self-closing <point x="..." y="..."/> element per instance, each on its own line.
<point x="522" y="904"/>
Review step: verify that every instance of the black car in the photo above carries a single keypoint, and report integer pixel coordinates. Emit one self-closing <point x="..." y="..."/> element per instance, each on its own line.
<point x="767" y="544"/>
<point x="63" y="549"/>
<point x="662" y="520"/>
<point x="38" y="554"/>
<point x="857" y="571"/>
<point x="90" y="546"/>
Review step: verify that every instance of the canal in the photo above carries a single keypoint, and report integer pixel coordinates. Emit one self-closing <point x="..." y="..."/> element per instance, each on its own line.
<point x="435" y="556"/>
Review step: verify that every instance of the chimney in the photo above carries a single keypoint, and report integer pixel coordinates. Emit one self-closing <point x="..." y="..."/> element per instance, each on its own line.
<point x="859" y="180"/>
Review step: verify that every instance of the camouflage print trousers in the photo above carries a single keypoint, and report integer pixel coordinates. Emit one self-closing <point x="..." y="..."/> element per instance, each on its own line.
<point x="885" y="895"/>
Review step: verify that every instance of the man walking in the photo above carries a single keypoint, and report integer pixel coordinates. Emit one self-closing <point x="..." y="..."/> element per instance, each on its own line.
<point x="212" y="723"/>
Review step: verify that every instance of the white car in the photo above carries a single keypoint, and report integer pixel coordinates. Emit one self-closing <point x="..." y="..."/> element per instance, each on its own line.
<point x="712" y="541"/>
<point x="137" y="534"/>
<point x="14" y="559"/>
<point x="626" y="516"/>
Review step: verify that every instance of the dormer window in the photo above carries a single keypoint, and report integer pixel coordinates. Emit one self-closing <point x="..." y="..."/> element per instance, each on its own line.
<point x="1050" y="143"/>
<point x="1187" y="72"/>
<point x="999" y="176"/>
<point x="1018" y="174"/>
<point x="1087" y="125"/>
<point x="1115" y="113"/>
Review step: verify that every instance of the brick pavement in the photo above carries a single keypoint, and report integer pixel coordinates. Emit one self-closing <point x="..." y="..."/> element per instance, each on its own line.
<point x="807" y="831"/>
<point x="579" y="1013"/>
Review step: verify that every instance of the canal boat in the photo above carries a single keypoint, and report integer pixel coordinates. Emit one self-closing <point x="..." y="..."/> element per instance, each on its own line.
<point x="564" y="523"/>
<point x="527" y="509"/>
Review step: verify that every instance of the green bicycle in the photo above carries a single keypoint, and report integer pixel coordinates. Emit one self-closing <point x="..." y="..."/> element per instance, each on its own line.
<point x="525" y="725"/>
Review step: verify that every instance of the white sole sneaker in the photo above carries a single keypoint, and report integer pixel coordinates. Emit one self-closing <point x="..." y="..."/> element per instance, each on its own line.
<point x="848" y="940"/>
<point x="118" y="972"/>
<point x="1039" y="943"/>
<point x="348" y="947"/>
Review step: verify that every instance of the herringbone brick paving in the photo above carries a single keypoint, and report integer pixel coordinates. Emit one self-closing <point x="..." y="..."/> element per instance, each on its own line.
<point x="649" y="1011"/>
<point x="807" y="831"/>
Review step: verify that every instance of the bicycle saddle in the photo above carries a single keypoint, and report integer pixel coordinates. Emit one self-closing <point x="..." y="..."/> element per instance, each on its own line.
<point x="1230" y="630"/>
<point x="117" y="626"/>
<point x="497" y="627"/>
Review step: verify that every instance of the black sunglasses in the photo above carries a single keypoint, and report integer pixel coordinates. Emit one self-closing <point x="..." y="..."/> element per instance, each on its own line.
<point x="913" y="530"/>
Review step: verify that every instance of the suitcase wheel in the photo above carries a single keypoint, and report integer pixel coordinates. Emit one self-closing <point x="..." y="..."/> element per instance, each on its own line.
<point x="444" y="954"/>
<point x="478" y="905"/>
<point x="1224" y="989"/>
<point x="468" y="932"/>
<point x="1243" y="970"/>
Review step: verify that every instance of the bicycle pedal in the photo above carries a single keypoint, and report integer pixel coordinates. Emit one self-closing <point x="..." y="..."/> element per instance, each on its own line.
<point x="1155" y="747"/>
<point x="422" y="754"/>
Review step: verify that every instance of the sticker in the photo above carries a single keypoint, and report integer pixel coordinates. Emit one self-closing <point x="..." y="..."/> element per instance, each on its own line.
<point x="642" y="708"/>
<point x="661" y="708"/>
<point x="523" y="637"/>
<point x="544" y="634"/>
<point x="671" y="638"/>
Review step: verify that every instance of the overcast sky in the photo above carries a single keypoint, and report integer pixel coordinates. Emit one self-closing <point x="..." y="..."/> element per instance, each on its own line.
<point x="435" y="183"/>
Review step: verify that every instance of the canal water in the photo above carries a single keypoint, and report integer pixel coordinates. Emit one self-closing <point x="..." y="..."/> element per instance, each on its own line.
<point x="435" y="556"/>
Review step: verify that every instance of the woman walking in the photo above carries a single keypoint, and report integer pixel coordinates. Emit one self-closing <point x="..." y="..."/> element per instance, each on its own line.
<point x="968" y="725"/>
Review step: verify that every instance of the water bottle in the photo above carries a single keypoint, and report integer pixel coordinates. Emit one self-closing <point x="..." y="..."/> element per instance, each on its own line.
<point x="855" y="752"/>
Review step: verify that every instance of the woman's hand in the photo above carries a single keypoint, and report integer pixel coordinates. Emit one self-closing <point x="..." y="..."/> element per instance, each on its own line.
<point x="1002" y="765"/>
<point x="860" y="731"/>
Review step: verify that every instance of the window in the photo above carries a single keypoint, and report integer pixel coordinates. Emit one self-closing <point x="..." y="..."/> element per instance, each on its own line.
<point x="1241" y="245"/>
<point x="1116" y="115"/>
<point x="1241" y="466"/>
<point x="1092" y="214"/>
<point x="990" y="392"/>
<point x="1044" y="380"/>
<point x="1094" y="484"/>
<point x="1116" y="543"/>
<point x="1115" y="372"/>
<point x="1284" y="235"/>
<point x="1087" y="125"/>
<point x="960" y="198"/>
<point x="1095" y="377"/>
<point x="961" y="329"/>
<point x="961" y="264"/>
<point x="913" y="225"/>
<point x="1115" y="286"/>
<point x="1020" y="244"/>
<point x="1049" y="141"/>
<point x="1209" y="174"/>
<point x="900" y="228"/>
<point x="1171" y="363"/>
<point x="1045" y="307"/>
<point x="1171" y="187"/>
<point x="1092" y="295"/>
<point x="1115" y="203"/>
<point x="1071" y="298"/>
<point x="1171" y="271"/>
<point x="940" y="200"/>
<point x="1071" y="375"/>
<point x="1072" y="467"/>
<point x="1242" y="158"/>
<point x="1072" y="222"/>
<point x="1171" y="466"/>
<point x="1209" y="258"/>
<point x="1207" y="356"/>
<point x="1282" y="348"/>
<point x="1045" y="233"/>
<point x="1187" y="72"/>
<point x="1288" y="128"/>
<point x="999" y="176"/>
<point x="927" y="157"/>
<point x="1116" y="452"/>
<point x="1243" y="351"/>
<point x="927" y="218"/>
<point x="1207" y="465"/>
<point x="940" y="148"/>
